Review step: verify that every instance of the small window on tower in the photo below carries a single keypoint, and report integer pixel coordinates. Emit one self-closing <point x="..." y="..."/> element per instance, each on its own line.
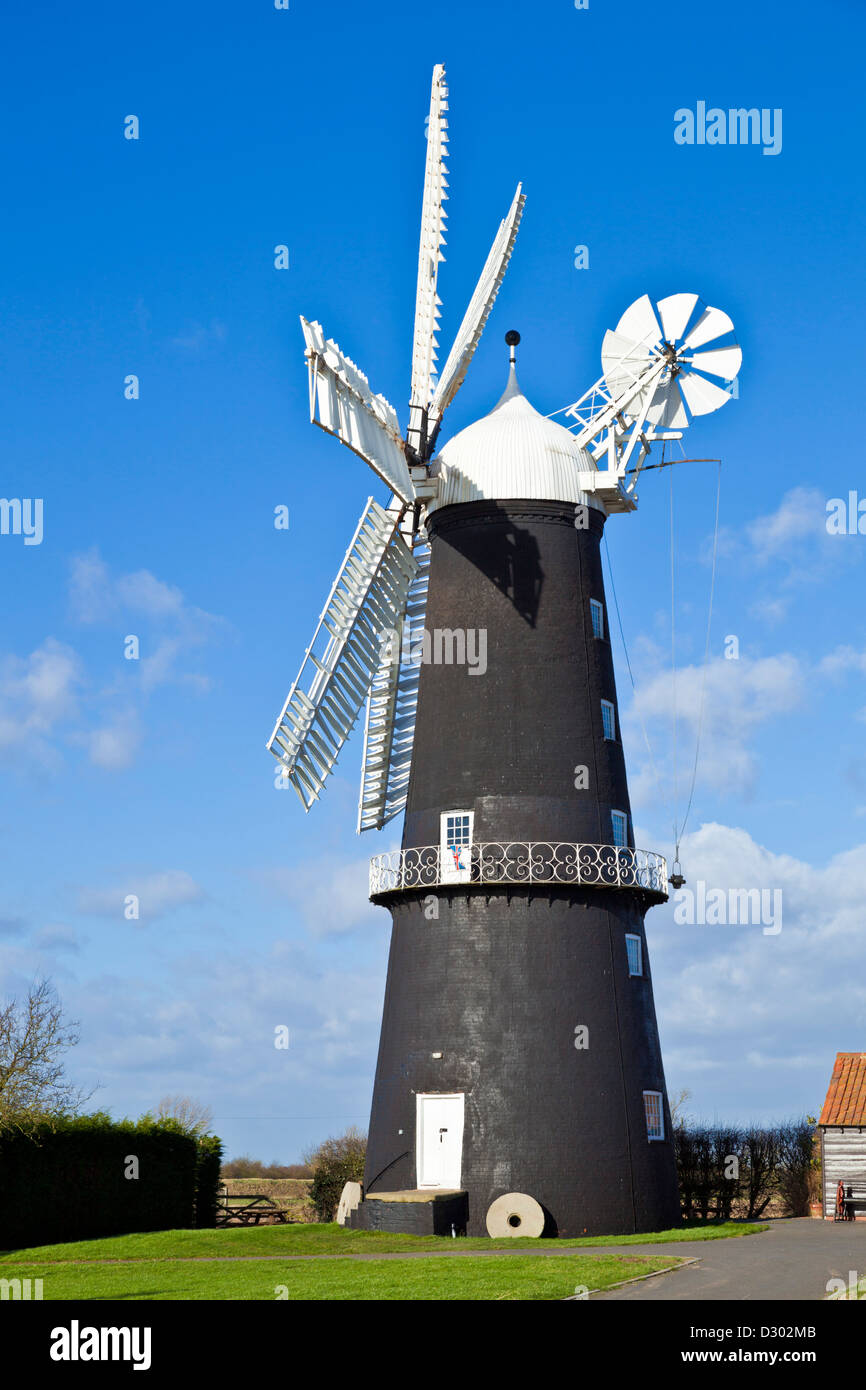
<point x="608" y="719"/>
<point x="597" y="611"/>
<point x="635" y="954"/>
<point x="456" y="846"/>
<point x="654" y="1111"/>
<point x="619" y="820"/>
<point x="458" y="828"/>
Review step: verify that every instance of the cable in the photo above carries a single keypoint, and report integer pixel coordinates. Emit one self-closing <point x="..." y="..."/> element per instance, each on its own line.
<point x="706" y="651"/>
<point x="674" y="664"/>
<point x="631" y="677"/>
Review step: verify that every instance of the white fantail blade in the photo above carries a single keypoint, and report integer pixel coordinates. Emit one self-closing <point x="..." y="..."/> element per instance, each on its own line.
<point x="430" y="250"/>
<point x="675" y="312"/>
<point x="701" y="397"/>
<point x="365" y="607"/>
<point x="722" y="362"/>
<point x="712" y="324"/>
<point x="391" y="708"/>
<point x="342" y="404"/>
<point x="481" y="303"/>
<point x="640" y="323"/>
<point x="667" y="411"/>
<point x="623" y="358"/>
<point x="626" y="363"/>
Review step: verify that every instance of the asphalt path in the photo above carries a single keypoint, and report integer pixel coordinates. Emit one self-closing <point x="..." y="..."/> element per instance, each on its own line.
<point x="792" y="1261"/>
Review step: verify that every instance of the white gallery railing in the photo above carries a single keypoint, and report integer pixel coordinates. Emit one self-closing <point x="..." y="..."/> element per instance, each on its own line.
<point x="527" y="861"/>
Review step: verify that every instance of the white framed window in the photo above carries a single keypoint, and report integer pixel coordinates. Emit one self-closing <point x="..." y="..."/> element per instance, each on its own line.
<point x="634" y="950"/>
<point x="597" y="611"/>
<point x="608" y="719"/>
<point x="455" y="846"/>
<point x="653" y="1104"/>
<point x="619" y="824"/>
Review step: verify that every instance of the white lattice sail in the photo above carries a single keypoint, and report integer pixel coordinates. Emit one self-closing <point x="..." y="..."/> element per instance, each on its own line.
<point x="427" y="301"/>
<point x="478" y="312"/>
<point x="367" y="602"/>
<point x="391" y="706"/>
<point x="342" y="404"/>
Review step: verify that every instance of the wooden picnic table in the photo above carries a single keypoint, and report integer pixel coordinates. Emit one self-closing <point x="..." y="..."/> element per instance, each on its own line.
<point x="248" y="1211"/>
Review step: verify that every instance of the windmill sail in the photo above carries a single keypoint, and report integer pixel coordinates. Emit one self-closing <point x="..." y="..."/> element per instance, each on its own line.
<point x="382" y="584"/>
<point x="391" y="707"/>
<point x="368" y="600"/>
<point x="479" y="309"/>
<point x="342" y="404"/>
<point x="427" y="302"/>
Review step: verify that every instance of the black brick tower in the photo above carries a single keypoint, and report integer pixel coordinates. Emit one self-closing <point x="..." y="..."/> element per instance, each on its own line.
<point x="491" y="986"/>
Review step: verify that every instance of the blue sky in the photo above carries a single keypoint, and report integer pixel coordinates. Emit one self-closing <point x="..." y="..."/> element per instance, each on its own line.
<point x="155" y="257"/>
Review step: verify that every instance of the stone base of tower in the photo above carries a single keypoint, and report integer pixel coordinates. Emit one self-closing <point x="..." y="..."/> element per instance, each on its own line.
<point x="415" y="1213"/>
<point x="486" y="1007"/>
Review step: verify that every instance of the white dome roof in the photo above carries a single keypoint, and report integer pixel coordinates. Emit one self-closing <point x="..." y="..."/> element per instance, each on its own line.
<point x="512" y="452"/>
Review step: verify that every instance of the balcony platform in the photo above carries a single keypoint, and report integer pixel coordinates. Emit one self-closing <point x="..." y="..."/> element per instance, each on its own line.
<point x="529" y="863"/>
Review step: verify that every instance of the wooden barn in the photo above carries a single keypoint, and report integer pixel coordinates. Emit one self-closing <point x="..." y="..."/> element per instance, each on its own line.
<point x="843" y="1136"/>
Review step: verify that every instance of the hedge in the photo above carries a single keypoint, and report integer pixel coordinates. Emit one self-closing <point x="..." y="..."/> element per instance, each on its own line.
<point x="772" y="1164"/>
<point x="87" y="1176"/>
<point x="208" y="1179"/>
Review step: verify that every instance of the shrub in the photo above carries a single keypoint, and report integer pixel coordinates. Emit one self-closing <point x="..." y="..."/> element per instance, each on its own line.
<point x="800" y="1157"/>
<point x="80" y="1177"/>
<point x="245" y="1167"/>
<point x="209" y="1151"/>
<point x="334" y="1163"/>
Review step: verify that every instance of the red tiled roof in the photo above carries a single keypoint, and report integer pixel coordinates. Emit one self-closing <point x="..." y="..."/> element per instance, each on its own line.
<point x="846" y="1098"/>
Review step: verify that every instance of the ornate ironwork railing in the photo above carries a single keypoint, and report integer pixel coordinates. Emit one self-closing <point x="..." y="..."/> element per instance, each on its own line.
<point x="526" y="862"/>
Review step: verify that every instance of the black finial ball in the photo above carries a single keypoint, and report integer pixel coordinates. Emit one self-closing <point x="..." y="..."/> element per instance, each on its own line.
<point x="512" y="337"/>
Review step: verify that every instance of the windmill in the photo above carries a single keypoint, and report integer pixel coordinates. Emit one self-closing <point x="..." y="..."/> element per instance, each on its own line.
<point x="518" y="895"/>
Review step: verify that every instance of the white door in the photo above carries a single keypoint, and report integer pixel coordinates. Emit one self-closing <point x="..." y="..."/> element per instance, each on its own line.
<point x="439" y="1139"/>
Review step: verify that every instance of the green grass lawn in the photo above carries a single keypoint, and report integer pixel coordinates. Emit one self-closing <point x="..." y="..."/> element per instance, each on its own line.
<point x="499" y="1277"/>
<point x="256" y="1262"/>
<point x="285" y="1241"/>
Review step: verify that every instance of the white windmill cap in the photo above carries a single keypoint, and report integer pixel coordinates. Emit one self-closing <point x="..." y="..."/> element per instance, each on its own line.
<point x="512" y="452"/>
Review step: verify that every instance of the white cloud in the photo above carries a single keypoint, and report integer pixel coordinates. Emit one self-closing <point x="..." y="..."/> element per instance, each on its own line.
<point x="740" y="696"/>
<point x="843" y="659"/>
<point x="734" y="1001"/>
<point x="790" y="547"/>
<point x="36" y="693"/>
<point x="801" y="513"/>
<point x="168" y="628"/>
<point x="96" y="595"/>
<point x="329" y="894"/>
<point x="57" y="938"/>
<point x="157" y="893"/>
<point x="114" y="745"/>
<point x="200" y="336"/>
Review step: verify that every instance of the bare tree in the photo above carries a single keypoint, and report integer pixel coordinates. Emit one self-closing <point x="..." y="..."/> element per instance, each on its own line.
<point x="678" y="1105"/>
<point x="195" y="1117"/>
<point x="33" y="1039"/>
